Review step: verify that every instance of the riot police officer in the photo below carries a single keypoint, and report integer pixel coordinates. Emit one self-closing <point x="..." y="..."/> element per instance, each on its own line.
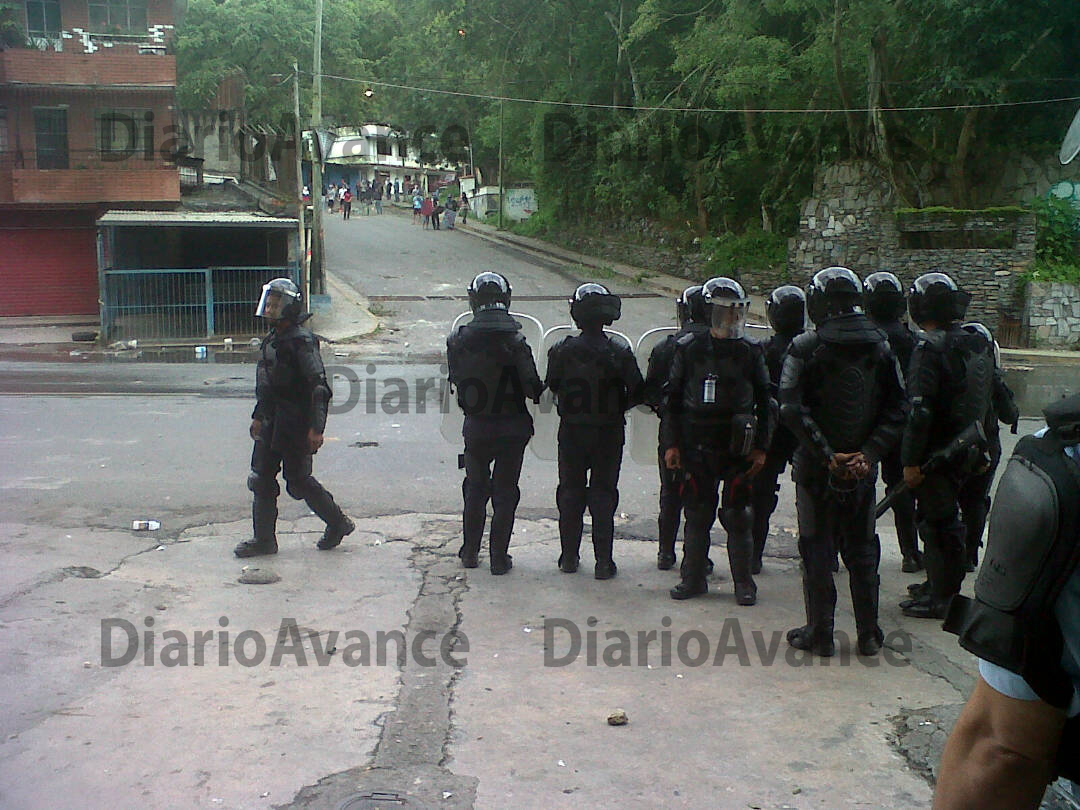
<point x="842" y="395"/>
<point x="690" y="312"/>
<point x="786" y="309"/>
<point x="292" y="397"/>
<point x="715" y="427"/>
<point x="492" y="370"/>
<point x="950" y="383"/>
<point x="887" y="307"/>
<point x="974" y="495"/>
<point x="595" y="380"/>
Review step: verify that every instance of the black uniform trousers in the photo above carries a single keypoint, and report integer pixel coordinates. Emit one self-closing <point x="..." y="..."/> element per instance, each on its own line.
<point x="765" y="491"/>
<point x="299" y="483"/>
<point x="481" y="484"/>
<point x="589" y="460"/>
<point x="838" y="516"/>
<point x="903" y="508"/>
<point x="705" y="471"/>
<point x="937" y="510"/>
<point x="671" y="504"/>
<point x="973" y="497"/>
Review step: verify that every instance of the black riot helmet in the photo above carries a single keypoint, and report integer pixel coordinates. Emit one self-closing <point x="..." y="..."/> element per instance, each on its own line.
<point x="833" y="291"/>
<point x="280" y="300"/>
<point x="726" y="305"/>
<point x="976" y="328"/>
<point x="934" y="297"/>
<point x="594" y="303"/>
<point x="489" y="291"/>
<point x="786" y="308"/>
<point x="690" y="306"/>
<point x="884" y="297"/>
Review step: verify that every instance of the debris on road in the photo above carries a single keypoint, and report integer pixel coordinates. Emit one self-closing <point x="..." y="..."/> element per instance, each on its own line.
<point x="617" y="718"/>
<point x="145" y="525"/>
<point x="255" y="576"/>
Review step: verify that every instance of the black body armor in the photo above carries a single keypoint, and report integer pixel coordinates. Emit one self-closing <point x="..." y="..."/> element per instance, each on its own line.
<point x="595" y="379"/>
<point x="1032" y="552"/>
<point x="841" y="391"/>
<point x="291" y="390"/>
<point x="950" y="382"/>
<point x="491" y="366"/>
<point x="714" y="384"/>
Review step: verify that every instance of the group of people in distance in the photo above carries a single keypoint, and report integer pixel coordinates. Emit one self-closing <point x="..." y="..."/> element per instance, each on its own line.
<point x="857" y="391"/>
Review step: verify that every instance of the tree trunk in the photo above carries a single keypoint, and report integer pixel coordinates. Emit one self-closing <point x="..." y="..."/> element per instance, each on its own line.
<point x="958" y="172"/>
<point x="699" y="198"/>
<point x="845" y="97"/>
<point x="879" y="143"/>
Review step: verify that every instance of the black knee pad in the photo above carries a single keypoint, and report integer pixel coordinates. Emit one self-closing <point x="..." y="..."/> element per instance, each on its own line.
<point x="736" y="519"/>
<point x="263" y="485"/>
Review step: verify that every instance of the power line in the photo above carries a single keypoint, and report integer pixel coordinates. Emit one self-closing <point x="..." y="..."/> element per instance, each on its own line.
<point x="698" y="110"/>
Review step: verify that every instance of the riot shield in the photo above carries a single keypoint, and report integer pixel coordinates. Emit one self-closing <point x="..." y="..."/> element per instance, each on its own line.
<point x="545" y="440"/>
<point x="452" y="417"/>
<point x="644" y="424"/>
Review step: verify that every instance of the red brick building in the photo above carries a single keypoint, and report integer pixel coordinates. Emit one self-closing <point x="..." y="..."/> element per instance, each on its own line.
<point x="86" y="124"/>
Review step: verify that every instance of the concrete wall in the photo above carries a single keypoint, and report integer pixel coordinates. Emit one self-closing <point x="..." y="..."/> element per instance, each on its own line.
<point x="1052" y="315"/>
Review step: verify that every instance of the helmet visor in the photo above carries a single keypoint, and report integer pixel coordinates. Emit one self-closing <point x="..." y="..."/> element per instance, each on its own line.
<point x="728" y="321"/>
<point x="272" y="304"/>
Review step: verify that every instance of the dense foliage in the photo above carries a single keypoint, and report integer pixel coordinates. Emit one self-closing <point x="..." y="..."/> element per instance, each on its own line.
<point x="858" y="77"/>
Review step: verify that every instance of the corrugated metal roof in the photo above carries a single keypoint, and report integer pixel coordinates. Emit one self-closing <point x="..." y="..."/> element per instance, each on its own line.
<point x="196" y="218"/>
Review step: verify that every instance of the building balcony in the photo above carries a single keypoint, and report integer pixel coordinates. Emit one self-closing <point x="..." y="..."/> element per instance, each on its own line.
<point x="81" y="178"/>
<point x="106" y="68"/>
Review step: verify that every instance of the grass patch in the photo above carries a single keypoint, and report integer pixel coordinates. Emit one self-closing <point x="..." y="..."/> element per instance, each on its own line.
<point x="755" y="250"/>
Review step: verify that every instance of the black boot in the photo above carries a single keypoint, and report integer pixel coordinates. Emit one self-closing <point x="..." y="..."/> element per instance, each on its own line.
<point x="912" y="563"/>
<point x="689" y="588"/>
<point x="502" y="564"/>
<point x="332" y="536"/>
<point x="264" y="514"/>
<point x="338" y="525"/>
<point x="740" y="548"/>
<point x="568" y="563"/>
<point x="665" y="560"/>
<point x="470" y="558"/>
<point x="817" y="641"/>
<point x="254" y="548"/>
<point x="865" y="589"/>
<point x="605" y="567"/>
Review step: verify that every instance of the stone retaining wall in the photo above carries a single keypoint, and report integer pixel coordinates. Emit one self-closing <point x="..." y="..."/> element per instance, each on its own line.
<point x="1052" y="315"/>
<point x="851" y="220"/>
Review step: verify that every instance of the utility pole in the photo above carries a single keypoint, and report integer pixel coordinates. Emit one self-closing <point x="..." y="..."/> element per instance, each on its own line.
<point x="305" y="270"/>
<point x="502" y="191"/>
<point x="318" y="274"/>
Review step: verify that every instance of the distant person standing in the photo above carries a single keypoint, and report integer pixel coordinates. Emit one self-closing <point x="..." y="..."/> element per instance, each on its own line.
<point x="436" y="212"/>
<point x="346" y="204"/>
<point x="331" y="195"/>
<point x="451" y="213"/>
<point x="417" y="208"/>
<point x="377" y="192"/>
<point x="464" y="208"/>
<point x="426" y="208"/>
<point x="389" y="190"/>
